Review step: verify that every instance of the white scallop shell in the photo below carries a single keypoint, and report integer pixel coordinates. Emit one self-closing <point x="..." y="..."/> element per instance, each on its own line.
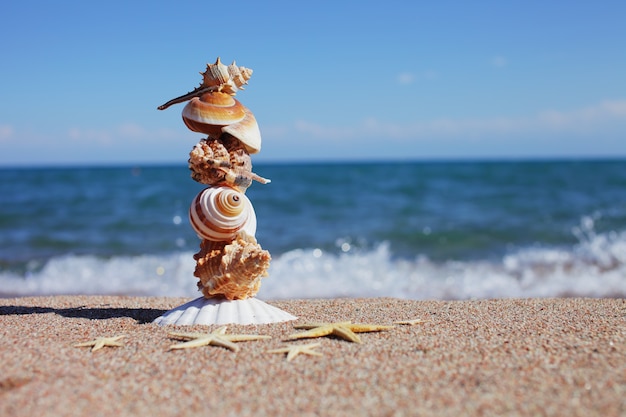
<point x="219" y="213"/>
<point x="207" y="311"/>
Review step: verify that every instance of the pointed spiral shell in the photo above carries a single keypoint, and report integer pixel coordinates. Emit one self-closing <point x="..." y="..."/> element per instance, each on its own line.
<point x="219" y="213"/>
<point x="239" y="75"/>
<point x="227" y="79"/>
<point x="213" y="110"/>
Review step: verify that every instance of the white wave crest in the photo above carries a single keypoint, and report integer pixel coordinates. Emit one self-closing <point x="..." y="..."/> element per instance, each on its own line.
<point x="595" y="267"/>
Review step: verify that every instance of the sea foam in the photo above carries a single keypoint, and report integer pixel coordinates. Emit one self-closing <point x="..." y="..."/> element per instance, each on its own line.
<point x="594" y="267"/>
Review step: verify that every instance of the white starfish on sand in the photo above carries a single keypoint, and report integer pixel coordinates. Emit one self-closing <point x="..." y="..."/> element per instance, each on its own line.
<point x="101" y="342"/>
<point x="294" y="350"/>
<point x="345" y="330"/>
<point x="217" y="337"/>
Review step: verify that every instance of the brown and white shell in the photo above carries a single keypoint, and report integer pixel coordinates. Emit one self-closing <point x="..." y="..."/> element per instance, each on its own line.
<point x="224" y="161"/>
<point x="215" y="113"/>
<point x="220" y="213"/>
<point x="231" y="269"/>
<point x="213" y="110"/>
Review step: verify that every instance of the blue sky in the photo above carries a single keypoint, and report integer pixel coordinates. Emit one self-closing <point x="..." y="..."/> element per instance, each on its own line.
<point x="80" y="81"/>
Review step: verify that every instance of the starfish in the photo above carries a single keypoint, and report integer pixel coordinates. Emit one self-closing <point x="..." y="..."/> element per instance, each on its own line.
<point x="294" y="350"/>
<point x="410" y="322"/>
<point x="101" y="342"/>
<point x="217" y="337"/>
<point x="345" y="329"/>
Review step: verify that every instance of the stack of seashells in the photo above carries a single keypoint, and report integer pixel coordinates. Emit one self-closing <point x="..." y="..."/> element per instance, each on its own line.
<point x="230" y="262"/>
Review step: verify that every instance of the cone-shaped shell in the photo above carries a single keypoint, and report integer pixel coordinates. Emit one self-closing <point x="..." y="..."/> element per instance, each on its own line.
<point x="239" y="76"/>
<point x="219" y="213"/>
<point x="232" y="270"/>
<point x="217" y="78"/>
<point x="227" y="79"/>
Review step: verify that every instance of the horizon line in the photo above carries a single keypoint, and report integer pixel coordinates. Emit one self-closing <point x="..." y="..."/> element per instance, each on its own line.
<point x="331" y="161"/>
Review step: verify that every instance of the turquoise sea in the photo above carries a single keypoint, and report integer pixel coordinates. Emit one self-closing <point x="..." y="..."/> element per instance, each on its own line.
<point x="419" y="230"/>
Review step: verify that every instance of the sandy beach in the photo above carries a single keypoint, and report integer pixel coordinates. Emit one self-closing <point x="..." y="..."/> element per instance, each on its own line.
<point x="495" y="357"/>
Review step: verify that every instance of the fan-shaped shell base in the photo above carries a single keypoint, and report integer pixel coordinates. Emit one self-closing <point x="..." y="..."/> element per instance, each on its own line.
<point x="208" y="311"/>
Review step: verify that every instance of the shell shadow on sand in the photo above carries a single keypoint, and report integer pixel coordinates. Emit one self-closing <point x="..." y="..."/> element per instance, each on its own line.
<point x="141" y="315"/>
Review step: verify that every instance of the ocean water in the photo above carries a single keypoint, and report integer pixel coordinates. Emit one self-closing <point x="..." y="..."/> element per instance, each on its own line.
<point x="418" y="230"/>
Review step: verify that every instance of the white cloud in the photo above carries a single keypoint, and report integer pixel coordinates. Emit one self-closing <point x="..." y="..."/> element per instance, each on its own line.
<point x="120" y="133"/>
<point x="598" y="118"/>
<point x="6" y="132"/>
<point x="499" y="61"/>
<point x="274" y="131"/>
<point x="99" y="136"/>
<point x="615" y="107"/>
<point x="405" y="78"/>
<point x="586" y="118"/>
<point x="318" y="130"/>
<point x="131" y="130"/>
<point x="430" y="75"/>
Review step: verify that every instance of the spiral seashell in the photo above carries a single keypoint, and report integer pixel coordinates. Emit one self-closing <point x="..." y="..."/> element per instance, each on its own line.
<point x="217" y="78"/>
<point x="227" y="79"/>
<point x="219" y="213"/>
<point x="232" y="270"/>
<point x="239" y="76"/>
<point x="216" y="113"/>
<point x="212" y="111"/>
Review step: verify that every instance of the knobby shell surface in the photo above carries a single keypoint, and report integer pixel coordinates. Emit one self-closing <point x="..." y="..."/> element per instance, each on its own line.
<point x="227" y="79"/>
<point x="239" y="75"/>
<point x="216" y="78"/>
<point x="222" y="161"/>
<point x="231" y="269"/>
<point x="211" y="160"/>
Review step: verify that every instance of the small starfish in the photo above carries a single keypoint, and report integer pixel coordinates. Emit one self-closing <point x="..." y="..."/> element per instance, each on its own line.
<point x="217" y="337"/>
<point x="410" y="322"/>
<point x="345" y="329"/>
<point x="294" y="350"/>
<point x="101" y="342"/>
